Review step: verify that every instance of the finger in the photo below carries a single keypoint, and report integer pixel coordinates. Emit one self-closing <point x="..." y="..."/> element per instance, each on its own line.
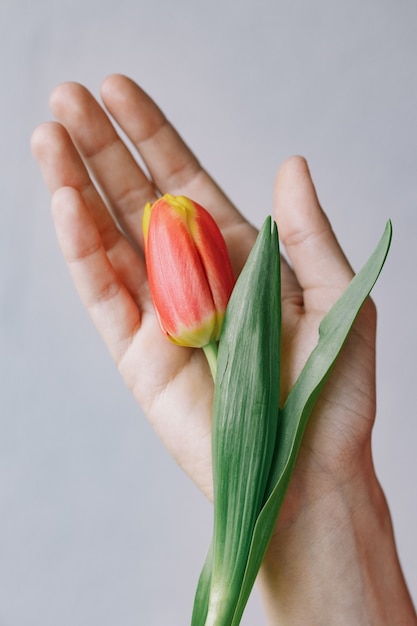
<point x="172" y="165"/>
<point x="319" y="263"/>
<point x="111" y="306"/>
<point x="61" y="166"/>
<point x="113" y="167"/>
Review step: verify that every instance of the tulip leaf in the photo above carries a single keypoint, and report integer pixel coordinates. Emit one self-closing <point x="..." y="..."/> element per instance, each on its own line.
<point x="245" y="423"/>
<point x="250" y="481"/>
<point x="333" y="332"/>
<point x="202" y="595"/>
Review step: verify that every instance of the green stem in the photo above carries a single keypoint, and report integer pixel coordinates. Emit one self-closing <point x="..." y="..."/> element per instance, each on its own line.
<point x="210" y="350"/>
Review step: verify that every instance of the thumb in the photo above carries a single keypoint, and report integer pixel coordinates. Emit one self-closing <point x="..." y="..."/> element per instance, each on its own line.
<point x="317" y="259"/>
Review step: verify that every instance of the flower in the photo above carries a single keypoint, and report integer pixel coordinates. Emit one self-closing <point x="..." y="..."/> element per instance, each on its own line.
<point x="189" y="270"/>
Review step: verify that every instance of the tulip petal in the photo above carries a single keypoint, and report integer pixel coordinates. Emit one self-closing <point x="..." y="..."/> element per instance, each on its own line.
<point x="215" y="258"/>
<point x="189" y="270"/>
<point x="176" y="275"/>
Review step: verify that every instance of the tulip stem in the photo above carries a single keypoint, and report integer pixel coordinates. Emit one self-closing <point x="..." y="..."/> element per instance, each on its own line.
<point x="210" y="350"/>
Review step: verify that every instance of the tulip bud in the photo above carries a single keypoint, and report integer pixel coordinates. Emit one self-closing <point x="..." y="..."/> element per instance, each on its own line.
<point x="189" y="270"/>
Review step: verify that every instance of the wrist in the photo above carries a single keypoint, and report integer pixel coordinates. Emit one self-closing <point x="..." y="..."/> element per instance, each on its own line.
<point x="333" y="560"/>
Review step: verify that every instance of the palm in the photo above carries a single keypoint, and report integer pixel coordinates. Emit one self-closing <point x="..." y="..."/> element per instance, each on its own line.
<point x="173" y="384"/>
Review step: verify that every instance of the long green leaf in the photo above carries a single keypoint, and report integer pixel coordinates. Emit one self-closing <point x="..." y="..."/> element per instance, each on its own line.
<point x="244" y="425"/>
<point x="202" y="595"/>
<point x="300" y="402"/>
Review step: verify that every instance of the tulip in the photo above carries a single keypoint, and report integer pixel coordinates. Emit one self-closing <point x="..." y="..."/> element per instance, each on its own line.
<point x="189" y="270"/>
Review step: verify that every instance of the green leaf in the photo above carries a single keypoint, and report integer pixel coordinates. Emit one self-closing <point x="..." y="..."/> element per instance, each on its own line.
<point x="245" y="405"/>
<point x="202" y="595"/>
<point x="300" y="402"/>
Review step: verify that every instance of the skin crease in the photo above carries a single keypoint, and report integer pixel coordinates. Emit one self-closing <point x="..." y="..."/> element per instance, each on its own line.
<point x="332" y="559"/>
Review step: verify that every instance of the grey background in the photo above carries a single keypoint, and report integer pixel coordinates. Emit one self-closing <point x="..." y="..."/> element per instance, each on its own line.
<point x="97" y="524"/>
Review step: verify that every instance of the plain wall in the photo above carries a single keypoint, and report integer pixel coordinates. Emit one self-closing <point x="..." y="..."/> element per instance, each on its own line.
<point x="97" y="524"/>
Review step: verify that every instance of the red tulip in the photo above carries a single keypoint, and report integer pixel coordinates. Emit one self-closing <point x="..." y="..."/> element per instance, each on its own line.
<point x="189" y="270"/>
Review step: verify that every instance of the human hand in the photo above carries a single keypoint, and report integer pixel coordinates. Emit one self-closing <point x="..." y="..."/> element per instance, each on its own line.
<point x="82" y="158"/>
<point x="98" y="193"/>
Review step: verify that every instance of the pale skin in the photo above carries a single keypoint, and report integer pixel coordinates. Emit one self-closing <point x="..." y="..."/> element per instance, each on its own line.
<point x="332" y="560"/>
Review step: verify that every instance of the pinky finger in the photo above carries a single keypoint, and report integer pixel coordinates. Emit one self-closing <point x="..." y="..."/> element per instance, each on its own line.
<point x="111" y="306"/>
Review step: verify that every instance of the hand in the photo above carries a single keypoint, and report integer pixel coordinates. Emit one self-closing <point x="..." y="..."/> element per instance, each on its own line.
<point x="98" y="192"/>
<point x="171" y="384"/>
